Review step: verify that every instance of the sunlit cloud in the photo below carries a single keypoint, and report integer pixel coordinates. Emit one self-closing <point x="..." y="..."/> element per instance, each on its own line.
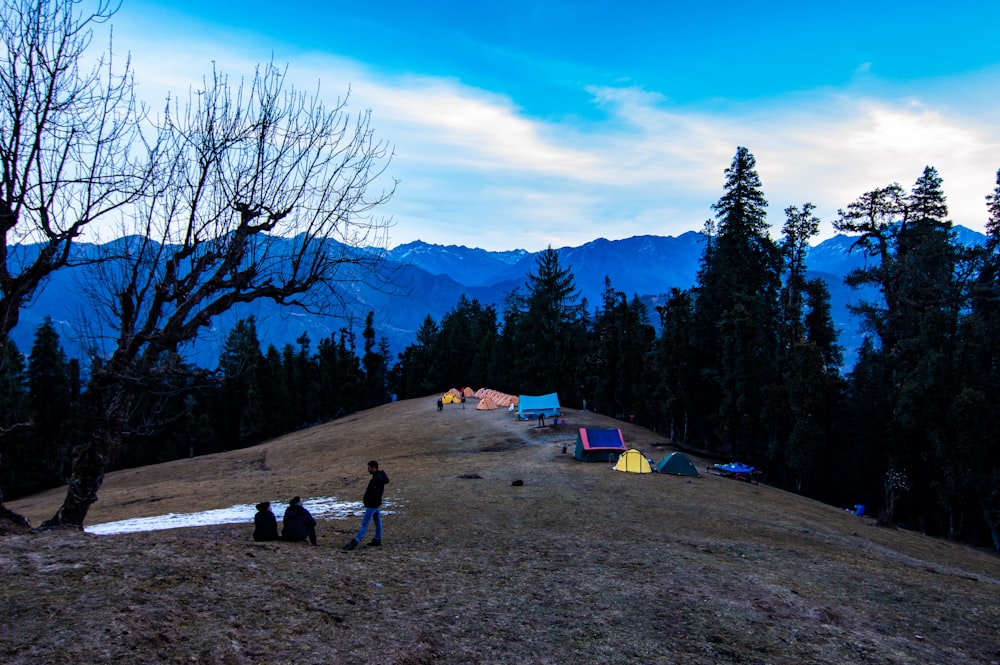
<point x="476" y="169"/>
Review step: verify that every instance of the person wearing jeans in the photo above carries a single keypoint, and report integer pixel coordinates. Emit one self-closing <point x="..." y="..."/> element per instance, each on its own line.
<point x="373" y="503"/>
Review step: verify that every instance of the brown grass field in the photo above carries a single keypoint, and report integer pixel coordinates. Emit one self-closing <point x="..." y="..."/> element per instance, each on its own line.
<point x="581" y="564"/>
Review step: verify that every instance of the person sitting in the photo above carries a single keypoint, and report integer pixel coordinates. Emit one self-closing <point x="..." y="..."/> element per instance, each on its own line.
<point x="298" y="524"/>
<point x="265" y="525"/>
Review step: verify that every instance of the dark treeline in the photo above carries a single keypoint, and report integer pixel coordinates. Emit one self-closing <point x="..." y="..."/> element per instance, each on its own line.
<point x="743" y="366"/>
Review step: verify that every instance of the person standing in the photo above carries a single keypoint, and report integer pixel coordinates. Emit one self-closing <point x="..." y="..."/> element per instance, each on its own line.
<point x="373" y="503"/>
<point x="298" y="524"/>
<point x="265" y="525"/>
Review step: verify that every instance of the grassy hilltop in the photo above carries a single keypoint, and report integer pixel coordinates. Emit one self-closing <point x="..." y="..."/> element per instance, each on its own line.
<point x="581" y="564"/>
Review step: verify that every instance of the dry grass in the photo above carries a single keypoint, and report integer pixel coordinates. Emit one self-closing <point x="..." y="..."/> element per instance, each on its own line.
<point x="579" y="565"/>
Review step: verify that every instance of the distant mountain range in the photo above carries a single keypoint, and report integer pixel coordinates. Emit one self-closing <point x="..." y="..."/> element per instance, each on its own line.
<point x="431" y="279"/>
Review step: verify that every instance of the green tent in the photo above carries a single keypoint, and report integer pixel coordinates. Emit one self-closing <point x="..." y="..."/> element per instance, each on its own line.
<point x="677" y="464"/>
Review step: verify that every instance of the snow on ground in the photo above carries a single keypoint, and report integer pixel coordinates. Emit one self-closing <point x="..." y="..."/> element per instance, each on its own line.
<point x="320" y="507"/>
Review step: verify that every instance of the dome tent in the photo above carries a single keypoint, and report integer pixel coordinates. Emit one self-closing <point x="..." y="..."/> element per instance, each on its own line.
<point x="678" y="464"/>
<point x="633" y="461"/>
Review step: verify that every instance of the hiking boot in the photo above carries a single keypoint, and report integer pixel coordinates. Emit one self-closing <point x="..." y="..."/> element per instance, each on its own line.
<point x="376" y="542"/>
<point x="351" y="545"/>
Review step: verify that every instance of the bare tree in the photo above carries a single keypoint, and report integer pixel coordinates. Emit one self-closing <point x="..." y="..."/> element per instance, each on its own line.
<point x="65" y="130"/>
<point x="262" y="192"/>
<point x="65" y="134"/>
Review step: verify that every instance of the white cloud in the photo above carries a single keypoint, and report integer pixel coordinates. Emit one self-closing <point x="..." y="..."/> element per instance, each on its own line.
<point x="475" y="169"/>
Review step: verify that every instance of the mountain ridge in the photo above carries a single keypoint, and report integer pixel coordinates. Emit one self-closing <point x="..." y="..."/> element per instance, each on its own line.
<point x="431" y="278"/>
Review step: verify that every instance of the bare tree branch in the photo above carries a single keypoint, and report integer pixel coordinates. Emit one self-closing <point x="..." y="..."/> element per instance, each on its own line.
<point x="263" y="192"/>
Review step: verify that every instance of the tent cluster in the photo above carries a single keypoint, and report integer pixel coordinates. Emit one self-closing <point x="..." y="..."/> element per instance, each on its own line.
<point x="488" y="399"/>
<point x="498" y="398"/>
<point x="604" y="445"/>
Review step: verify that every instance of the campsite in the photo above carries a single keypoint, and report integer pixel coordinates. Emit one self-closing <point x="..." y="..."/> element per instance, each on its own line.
<point x="576" y="564"/>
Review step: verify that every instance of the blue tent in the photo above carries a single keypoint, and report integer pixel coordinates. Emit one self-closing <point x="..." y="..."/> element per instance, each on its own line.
<point x="533" y="406"/>
<point x="599" y="445"/>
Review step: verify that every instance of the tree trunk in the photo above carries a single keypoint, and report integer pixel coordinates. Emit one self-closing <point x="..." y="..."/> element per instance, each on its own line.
<point x="92" y="458"/>
<point x="8" y="515"/>
<point x="86" y="479"/>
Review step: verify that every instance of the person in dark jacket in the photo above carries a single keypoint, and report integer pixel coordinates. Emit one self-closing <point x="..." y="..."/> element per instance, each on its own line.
<point x="298" y="524"/>
<point x="265" y="525"/>
<point x="373" y="503"/>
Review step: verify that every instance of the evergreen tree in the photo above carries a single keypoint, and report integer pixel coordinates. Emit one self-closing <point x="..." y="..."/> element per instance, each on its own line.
<point x="736" y="315"/>
<point x="552" y="331"/>
<point x="276" y="394"/>
<point x="621" y="342"/>
<point x="416" y="372"/>
<point x="376" y="367"/>
<point x="974" y="470"/>
<point x="874" y="218"/>
<point x="678" y="368"/>
<point x="511" y="375"/>
<point x="352" y="377"/>
<point x="808" y="361"/>
<point x="50" y="395"/>
<point x="919" y="272"/>
<point x="466" y="344"/>
<point x="240" y="398"/>
<point x="16" y="455"/>
<point x="800" y="226"/>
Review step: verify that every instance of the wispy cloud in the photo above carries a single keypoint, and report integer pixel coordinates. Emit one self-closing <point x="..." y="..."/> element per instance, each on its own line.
<point x="477" y="169"/>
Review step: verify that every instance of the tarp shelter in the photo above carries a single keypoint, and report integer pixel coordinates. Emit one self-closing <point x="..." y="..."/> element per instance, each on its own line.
<point x="486" y="404"/>
<point x="633" y="461"/>
<point x="533" y="406"/>
<point x="450" y="398"/>
<point x="598" y="445"/>
<point x="677" y="464"/>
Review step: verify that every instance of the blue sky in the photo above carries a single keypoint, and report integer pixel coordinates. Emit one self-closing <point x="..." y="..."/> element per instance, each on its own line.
<point x="519" y="125"/>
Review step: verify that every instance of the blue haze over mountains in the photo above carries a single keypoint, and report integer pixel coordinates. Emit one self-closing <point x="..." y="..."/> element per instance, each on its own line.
<point x="431" y="279"/>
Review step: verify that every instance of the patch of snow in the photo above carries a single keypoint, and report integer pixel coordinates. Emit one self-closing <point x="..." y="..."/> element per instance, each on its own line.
<point x="327" y="507"/>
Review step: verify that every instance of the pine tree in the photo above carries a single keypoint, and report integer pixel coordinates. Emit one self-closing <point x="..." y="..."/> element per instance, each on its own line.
<point x="240" y="396"/>
<point x="376" y="367"/>
<point x="678" y="369"/>
<point x="621" y="341"/>
<point x="736" y="314"/>
<point x="974" y="464"/>
<point x="809" y="360"/>
<point x="15" y="421"/>
<point x="920" y="274"/>
<point x="50" y="395"/>
<point x="552" y="330"/>
<point x="417" y="371"/>
<point x="800" y="226"/>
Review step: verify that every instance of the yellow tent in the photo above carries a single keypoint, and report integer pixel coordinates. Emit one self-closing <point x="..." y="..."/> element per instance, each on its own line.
<point x="633" y="461"/>
<point x="450" y="398"/>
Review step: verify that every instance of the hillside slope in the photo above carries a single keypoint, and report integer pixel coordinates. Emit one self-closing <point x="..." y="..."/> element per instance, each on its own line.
<point x="581" y="564"/>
